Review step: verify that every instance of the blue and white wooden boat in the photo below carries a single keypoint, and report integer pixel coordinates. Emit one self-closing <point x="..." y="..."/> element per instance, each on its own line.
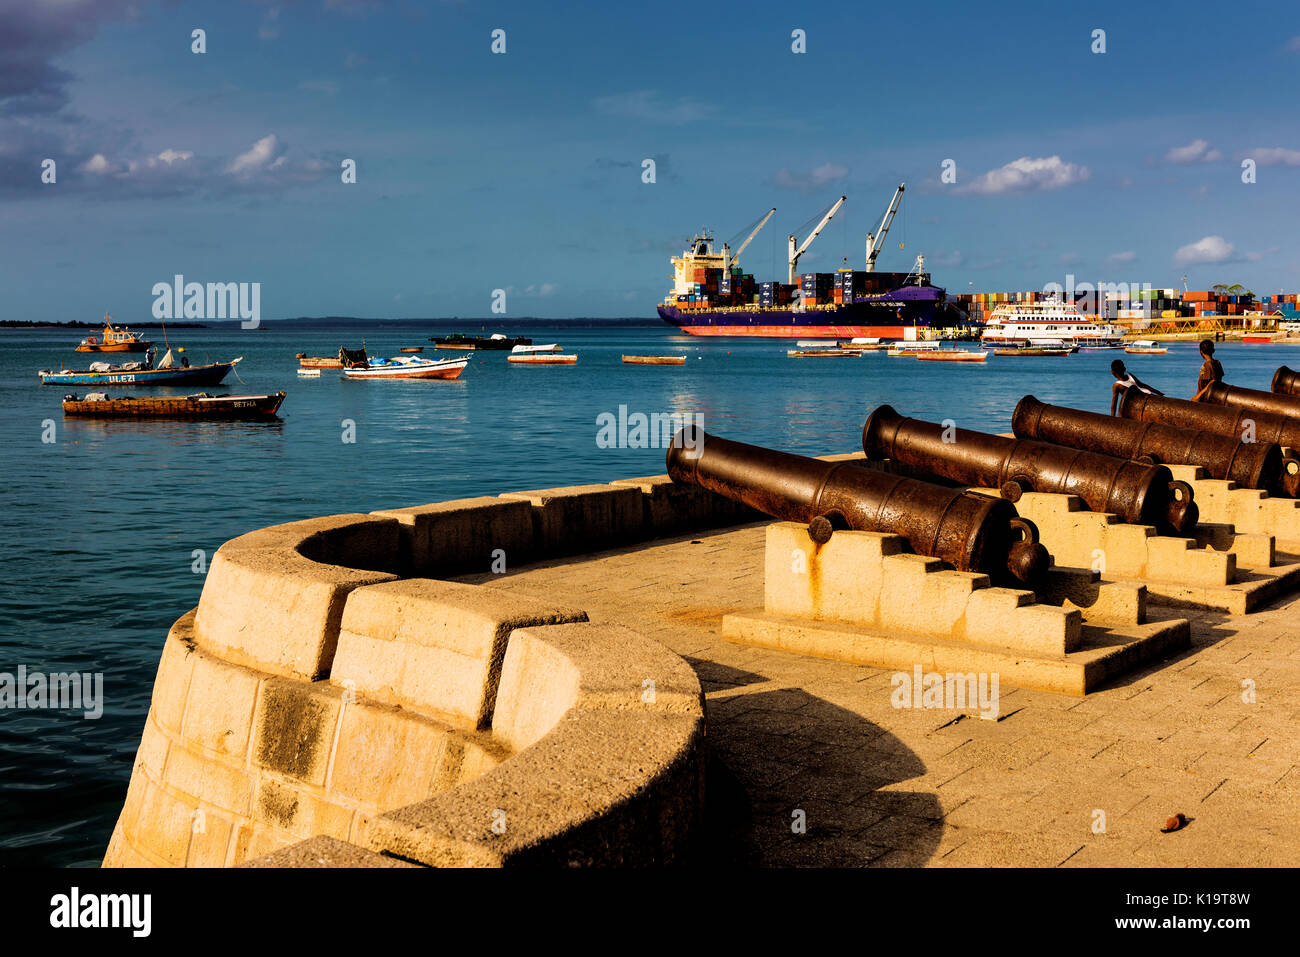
<point x="138" y="373"/>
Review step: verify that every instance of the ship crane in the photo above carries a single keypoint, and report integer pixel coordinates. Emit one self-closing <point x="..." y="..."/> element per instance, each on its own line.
<point x="731" y="260"/>
<point x="876" y="240"/>
<point x="796" y="253"/>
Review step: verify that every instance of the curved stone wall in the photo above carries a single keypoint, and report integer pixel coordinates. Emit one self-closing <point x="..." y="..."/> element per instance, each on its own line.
<point x="326" y="704"/>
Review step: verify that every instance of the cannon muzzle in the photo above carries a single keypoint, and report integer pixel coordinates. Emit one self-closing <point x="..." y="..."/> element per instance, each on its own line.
<point x="1253" y="399"/>
<point x="1250" y="426"/>
<point x="1286" y="381"/>
<point x="1249" y="464"/>
<point x="1139" y="493"/>
<point x="975" y="533"/>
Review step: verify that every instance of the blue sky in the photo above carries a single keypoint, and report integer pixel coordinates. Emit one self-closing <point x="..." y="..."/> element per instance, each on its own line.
<point x="522" y="171"/>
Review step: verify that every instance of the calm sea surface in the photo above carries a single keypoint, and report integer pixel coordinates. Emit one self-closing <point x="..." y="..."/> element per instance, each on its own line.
<point x="100" y="526"/>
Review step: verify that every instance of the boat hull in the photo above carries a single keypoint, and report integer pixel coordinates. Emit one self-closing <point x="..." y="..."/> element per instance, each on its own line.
<point x="226" y="407"/>
<point x="442" y="370"/>
<point x="193" y="375"/>
<point x="541" y="359"/>
<point x="897" y="316"/>
<point x="115" y="347"/>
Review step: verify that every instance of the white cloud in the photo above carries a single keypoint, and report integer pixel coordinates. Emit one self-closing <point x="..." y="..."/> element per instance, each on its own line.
<point x="1127" y="256"/>
<point x="97" y="164"/>
<point x="823" y="175"/>
<point x="256" y="158"/>
<point x="1211" y="249"/>
<point x="1027" y="175"/>
<point x="1275" y="156"/>
<point x="170" y="156"/>
<point x="1194" y="152"/>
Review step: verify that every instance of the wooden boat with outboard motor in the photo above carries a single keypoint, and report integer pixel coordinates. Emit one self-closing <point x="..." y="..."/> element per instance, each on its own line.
<point x="114" y="340"/>
<point x="496" y="341"/>
<point x="655" y="360"/>
<point x="197" y="406"/>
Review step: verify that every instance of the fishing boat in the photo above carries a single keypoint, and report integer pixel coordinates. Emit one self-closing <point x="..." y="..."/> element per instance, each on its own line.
<point x="114" y="340"/>
<point x="332" y="362"/>
<point x="655" y="360"/>
<point x="1146" y="347"/>
<point x="1037" y="347"/>
<point x="911" y="349"/>
<point x="822" y="353"/>
<point x="542" y="359"/>
<point x="407" y="367"/>
<point x="496" y="341"/>
<point x="952" y="355"/>
<point x="167" y="372"/>
<point x="522" y="349"/>
<point x="864" y="344"/>
<point x="198" y="406"/>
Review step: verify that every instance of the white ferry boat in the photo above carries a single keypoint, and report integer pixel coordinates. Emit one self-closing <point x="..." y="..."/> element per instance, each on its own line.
<point x="1032" y="323"/>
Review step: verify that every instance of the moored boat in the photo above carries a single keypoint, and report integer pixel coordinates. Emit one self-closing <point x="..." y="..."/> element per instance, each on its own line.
<point x="822" y="353"/>
<point x="407" y="367"/>
<point x="911" y="349"/>
<point x="1034" y="351"/>
<point x="523" y="348"/>
<point x="542" y="359"/>
<point x="141" y="373"/>
<point x="114" y="340"/>
<point x="412" y="349"/>
<point x="655" y="360"/>
<point x="198" y="406"/>
<point x="344" y="357"/>
<point x="1146" y="347"/>
<point x="496" y="341"/>
<point x="309" y="373"/>
<point x="1020" y="323"/>
<point x="952" y="355"/>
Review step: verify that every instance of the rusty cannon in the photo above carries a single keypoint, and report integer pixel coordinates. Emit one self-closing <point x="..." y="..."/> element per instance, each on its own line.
<point x="975" y="533"/>
<point x="1138" y="493"/>
<point x="1249" y="464"/>
<point x="1286" y="381"/>
<point x="1253" y="399"/>
<point x="1248" y="425"/>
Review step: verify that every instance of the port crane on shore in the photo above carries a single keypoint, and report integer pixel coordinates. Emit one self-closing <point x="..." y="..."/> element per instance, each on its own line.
<point x="876" y="240"/>
<point x="796" y="253"/>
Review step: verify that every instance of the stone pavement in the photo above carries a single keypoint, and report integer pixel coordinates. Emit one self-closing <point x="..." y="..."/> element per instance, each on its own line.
<point x="1053" y="781"/>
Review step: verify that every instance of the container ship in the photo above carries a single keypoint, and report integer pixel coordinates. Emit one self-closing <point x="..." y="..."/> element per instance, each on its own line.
<point x="712" y="296"/>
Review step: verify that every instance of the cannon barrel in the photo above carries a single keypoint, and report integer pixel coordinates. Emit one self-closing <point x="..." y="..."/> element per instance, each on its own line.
<point x="1248" y="425"/>
<point x="973" y="532"/>
<point x="1249" y="464"/>
<point x="1254" y="399"/>
<point x="1286" y="381"/>
<point x="1138" y="493"/>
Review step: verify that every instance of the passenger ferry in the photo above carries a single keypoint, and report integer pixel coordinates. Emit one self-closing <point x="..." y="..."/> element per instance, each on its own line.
<point x="1029" y="323"/>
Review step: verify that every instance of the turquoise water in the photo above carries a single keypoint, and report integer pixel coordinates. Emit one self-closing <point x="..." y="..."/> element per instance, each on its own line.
<point x="100" y="526"/>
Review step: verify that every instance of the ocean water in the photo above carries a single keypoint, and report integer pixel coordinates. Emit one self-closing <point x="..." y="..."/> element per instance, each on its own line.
<point x="101" y="525"/>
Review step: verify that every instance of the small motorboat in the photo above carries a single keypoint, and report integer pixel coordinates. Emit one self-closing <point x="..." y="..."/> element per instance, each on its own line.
<point x="1034" y="351"/>
<point x="198" y="406"/>
<point x="114" y="340"/>
<point x="655" y="360"/>
<point x="822" y="353"/>
<point x="951" y="355"/>
<point x="1146" y="347"/>
<point x="542" y="359"/>
<point x="523" y="349"/>
<point x="814" y="343"/>
<point x="331" y="362"/>
<point x="406" y="367"/>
